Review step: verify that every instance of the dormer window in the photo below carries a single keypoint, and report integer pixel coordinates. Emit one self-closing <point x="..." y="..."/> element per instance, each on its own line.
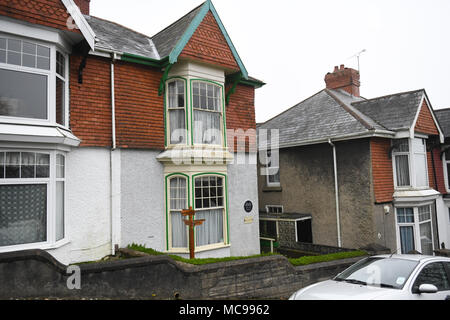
<point x="34" y="82"/>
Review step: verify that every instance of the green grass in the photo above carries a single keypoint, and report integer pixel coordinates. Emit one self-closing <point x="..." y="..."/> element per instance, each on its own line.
<point x="296" y="262"/>
<point x="302" y="261"/>
<point x="196" y="261"/>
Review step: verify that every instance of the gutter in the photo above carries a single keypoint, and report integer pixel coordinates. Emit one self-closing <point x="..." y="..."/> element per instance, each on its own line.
<point x="338" y="218"/>
<point x="351" y="136"/>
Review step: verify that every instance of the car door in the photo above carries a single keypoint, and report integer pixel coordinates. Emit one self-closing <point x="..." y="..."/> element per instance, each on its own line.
<point x="434" y="273"/>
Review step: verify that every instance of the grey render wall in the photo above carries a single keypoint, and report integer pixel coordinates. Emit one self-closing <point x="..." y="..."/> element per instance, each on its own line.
<point x="307" y="183"/>
<point x="242" y="187"/>
<point x="36" y="274"/>
<point x="142" y="199"/>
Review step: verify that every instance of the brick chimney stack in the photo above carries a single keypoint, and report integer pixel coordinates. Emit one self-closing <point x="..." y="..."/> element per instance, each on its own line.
<point x="344" y="78"/>
<point x="83" y="5"/>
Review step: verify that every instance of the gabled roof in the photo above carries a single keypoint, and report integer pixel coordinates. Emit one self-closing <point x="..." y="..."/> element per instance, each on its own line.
<point x="337" y="115"/>
<point x="443" y="117"/>
<point x="394" y="112"/>
<point x="165" y="46"/>
<point x="167" y="39"/>
<point x="317" y="119"/>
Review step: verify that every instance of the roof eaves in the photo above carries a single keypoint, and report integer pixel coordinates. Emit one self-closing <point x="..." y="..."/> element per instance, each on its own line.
<point x="81" y="22"/>
<point x="351" y="136"/>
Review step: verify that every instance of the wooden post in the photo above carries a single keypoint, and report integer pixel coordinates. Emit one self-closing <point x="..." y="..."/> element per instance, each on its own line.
<point x="191" y="223"/>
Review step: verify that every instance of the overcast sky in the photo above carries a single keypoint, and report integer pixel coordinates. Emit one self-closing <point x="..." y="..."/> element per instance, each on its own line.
<point x="292" y="44"/>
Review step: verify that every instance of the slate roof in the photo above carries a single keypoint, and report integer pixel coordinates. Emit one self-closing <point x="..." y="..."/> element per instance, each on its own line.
<point x="443" y="117"/>
<point x="331" y="114"/>
<point x="316" y="118"/>
<point x="166" y="39"/>
<point x="394" y="112"/>
<point x="113" y="36"/>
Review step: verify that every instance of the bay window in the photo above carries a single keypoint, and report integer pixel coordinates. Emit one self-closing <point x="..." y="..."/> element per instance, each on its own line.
<point x="209" y="205"/>
<point x="33" y="79"/>
<point x="207" y="113"/>
<point x="410" y="163"/>
<point x="401" y="160"/>
<point x="31" y="198"/>
<point x="414" y="229"/>
<point x="176" y="101"/>
<point x="209" y="198"/>
<point x="178" y="201"/>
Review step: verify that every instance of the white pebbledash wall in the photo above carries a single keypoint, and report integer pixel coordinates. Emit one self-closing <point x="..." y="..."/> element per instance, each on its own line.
<point x="87" y="210"/>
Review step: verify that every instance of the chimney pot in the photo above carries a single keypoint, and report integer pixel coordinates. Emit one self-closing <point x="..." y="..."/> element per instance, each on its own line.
<point x="343" y="78"/>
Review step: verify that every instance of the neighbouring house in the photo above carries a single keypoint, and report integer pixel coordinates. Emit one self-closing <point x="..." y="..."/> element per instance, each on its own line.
<point x="362" y="171"/>
<point x="106" y="134"/>
<point x="443" y="116"/>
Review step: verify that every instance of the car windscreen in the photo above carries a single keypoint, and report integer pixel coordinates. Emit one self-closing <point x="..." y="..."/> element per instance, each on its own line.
<point x="381" y="272"/>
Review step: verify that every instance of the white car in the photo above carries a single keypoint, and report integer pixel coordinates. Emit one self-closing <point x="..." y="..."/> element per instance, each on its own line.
<point x="386" y="277"/>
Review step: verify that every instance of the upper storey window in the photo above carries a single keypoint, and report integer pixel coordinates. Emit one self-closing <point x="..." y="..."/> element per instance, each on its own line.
<point x="33" y="79"/>
<point x="207" y="109"/>
<point x="410" y="163"/>
<point x="177" y="112"/>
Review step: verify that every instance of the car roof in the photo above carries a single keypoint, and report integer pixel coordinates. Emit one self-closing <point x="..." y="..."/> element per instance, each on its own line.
<point x="412" y="257"/>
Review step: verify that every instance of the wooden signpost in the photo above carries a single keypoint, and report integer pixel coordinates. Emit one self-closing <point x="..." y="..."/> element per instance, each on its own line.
<point x="191" y="223"/>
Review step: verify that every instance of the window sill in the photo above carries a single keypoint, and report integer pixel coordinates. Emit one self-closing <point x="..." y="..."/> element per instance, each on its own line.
<point x="41" y="246"/>
<point x="272" y="189"/>
<point x="200" y="249"/>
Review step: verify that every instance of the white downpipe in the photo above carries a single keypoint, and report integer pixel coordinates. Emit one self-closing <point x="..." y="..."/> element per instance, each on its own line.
<point x="113" y="105"/>
<point x="338" y="222"/>
<point x="113" y="165"/>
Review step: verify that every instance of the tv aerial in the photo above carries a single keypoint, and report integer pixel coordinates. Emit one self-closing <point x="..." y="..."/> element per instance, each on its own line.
<point x="357" y="55"/>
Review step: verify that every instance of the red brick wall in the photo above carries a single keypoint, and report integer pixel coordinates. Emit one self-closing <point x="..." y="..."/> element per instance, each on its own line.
<point x="84" y="6"/>
<point x="382" y="172"/>
<point x="439" y="170"/>
<point x="90" y="102"/>
<point x="50" y="13"/>
<point x="425" y="123"/>
<point x="209" y="45"/>
<point x="344" y="78"/>
<point x="139" y="109"/>
<point x="240" y="114"/>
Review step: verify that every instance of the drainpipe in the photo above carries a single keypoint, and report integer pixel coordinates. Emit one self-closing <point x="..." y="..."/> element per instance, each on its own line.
<point x="113" y="164"/>
<point x="113" y="104"/>
<point x="338" y="223"/>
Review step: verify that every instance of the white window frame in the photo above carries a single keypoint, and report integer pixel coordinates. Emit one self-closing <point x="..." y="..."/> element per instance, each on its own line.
<point x="221" y="112"/>
<point x="268" y="173"/>
<point x="274" y="206"/>
<point x="446" y="162"/>
<point x="186" y="112"/>
<point x="51" y="242"/>
<point x="51" y="84"/>
<point x="169" y="210"/>
<point x="416" y="226"/>
<point x="411" y="165"/>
